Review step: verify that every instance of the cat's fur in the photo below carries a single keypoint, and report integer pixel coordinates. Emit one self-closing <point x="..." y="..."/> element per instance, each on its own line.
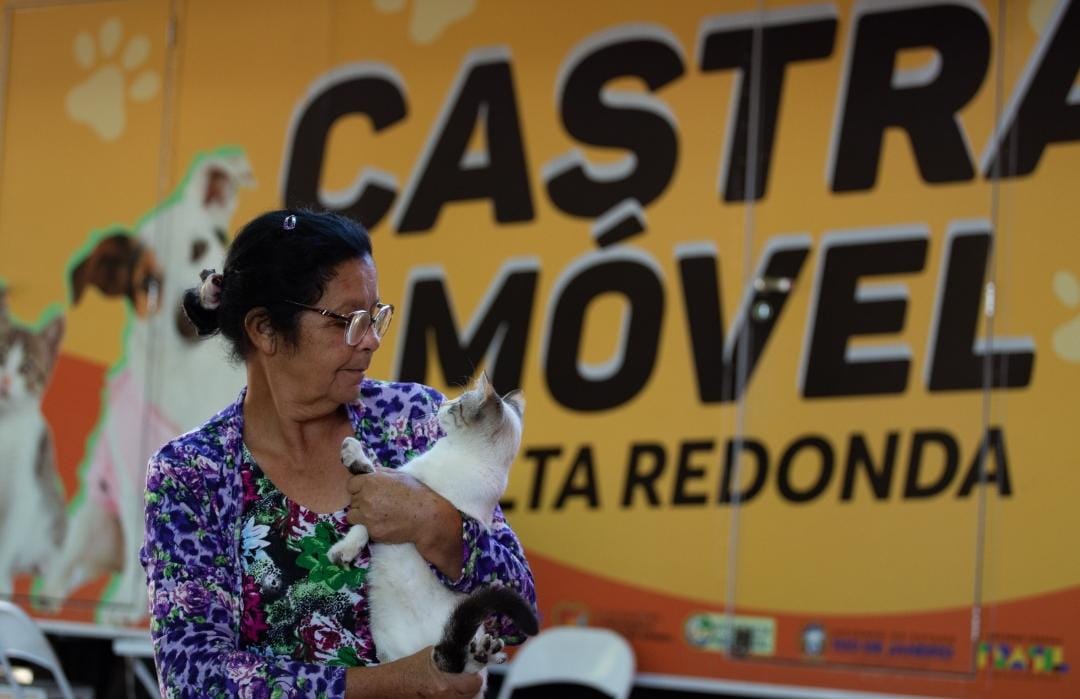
<point x="32" y="514"/>
<point x="469" y="466"/>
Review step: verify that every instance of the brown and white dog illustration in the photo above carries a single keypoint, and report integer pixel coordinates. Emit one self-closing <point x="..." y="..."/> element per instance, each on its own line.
<point x="120" y="265"/>
<point x="167" y="381"/>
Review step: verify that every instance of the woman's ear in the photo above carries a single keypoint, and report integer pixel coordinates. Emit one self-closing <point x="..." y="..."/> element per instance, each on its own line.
<point x="259" y="330"/>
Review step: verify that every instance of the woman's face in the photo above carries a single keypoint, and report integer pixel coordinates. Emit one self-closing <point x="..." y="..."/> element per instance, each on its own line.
<point x="322" y="367"/>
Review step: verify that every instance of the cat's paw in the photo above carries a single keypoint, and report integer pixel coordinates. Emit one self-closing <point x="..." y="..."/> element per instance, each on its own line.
<point x="354" y="457"/>
<point x="342" y="553"/>
<point x="345" y="551"/>
<point x="484" y="649"/>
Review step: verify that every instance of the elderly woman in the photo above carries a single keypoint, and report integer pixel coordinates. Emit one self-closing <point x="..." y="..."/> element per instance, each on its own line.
<point x="240" y="512"/>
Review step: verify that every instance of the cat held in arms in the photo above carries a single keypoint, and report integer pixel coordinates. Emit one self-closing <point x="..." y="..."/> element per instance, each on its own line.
<point x="469" y="466"/>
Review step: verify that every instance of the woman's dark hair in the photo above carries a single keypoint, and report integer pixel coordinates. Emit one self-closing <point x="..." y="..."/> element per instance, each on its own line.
<point x="274" y="259"/>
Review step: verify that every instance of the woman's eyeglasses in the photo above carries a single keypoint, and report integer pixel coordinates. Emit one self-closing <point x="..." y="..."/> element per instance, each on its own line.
<point x="358" y="323"/>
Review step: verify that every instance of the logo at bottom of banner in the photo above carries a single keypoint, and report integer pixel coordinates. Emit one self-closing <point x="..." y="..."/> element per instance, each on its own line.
<point x="736" y="635"/>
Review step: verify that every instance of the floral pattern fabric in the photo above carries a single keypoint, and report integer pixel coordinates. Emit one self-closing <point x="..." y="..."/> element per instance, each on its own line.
<point x="227" y="617"/>
<point x="296" y="603"/>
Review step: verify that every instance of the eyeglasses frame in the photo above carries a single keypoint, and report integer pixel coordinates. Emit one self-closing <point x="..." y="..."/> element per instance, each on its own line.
<point x="347" y="319"/>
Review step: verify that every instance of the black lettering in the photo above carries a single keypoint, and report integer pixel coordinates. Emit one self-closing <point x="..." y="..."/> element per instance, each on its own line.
<point x="446" y="172"/>
<point x="844" y="310"/>
<point x="786" y="37"/>
<point x="687" y="472"/>
<point x="578" y="387"/>
<point x="733" y="463"/>
<point x="956" y="360"/>
<point x="597" y="116"/>
<point x="638" y="478"/>
<point x="922" y="103"/>
<point x="992" y="441"/>
<point x="582" y="471"/>
<point x="374" y="93"/>
<point x="787" y="461"/>
<point x="880" y="479"/>
<point x="499" y="330"/>
<point x="541" y="455"/>
<point x="1041" y="110"/>
<point x="912" y="488"/>
<point x="715" y="361"/>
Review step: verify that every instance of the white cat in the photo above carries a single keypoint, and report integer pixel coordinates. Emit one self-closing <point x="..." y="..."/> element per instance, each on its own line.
<point x="469" y="466"/>
<point x="32" y="516"/>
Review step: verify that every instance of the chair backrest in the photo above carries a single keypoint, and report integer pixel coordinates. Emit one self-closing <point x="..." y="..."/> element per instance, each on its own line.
<point x="597" y="658"/>
<point x="22" y="639"/>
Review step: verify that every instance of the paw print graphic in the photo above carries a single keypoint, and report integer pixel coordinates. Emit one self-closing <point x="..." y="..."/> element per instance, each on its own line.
<point x="430" y="18"/>
<point x="1067" y="337"/>
<point x="100" y="100"/>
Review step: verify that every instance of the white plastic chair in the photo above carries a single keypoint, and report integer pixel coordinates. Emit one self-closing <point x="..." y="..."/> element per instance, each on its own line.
<point x="22" y="639"/>
<point x="599" y="659"/>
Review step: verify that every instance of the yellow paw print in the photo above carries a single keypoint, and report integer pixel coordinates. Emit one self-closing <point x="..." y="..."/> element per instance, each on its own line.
<point x="1067" y="337"/>
<point x="100" y="101"/>
<point x="430" y="18"/>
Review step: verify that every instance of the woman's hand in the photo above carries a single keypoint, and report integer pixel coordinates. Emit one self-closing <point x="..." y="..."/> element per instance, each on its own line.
<point x="396" y="508"/>
<point x="411" y="676"/>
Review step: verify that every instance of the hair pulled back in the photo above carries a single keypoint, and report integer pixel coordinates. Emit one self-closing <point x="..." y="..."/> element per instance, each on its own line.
<point x="278" y="256"/>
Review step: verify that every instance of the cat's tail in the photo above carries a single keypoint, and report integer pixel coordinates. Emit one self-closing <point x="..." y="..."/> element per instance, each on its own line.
<point x="452" y="652"/>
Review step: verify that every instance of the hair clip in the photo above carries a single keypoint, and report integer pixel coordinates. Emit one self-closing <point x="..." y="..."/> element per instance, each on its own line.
<point x="289" y="223"/>
<point x="210" y="289"/>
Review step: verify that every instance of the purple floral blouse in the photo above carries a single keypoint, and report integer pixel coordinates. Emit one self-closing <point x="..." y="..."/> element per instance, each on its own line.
<point x="202" y="542"/>
<point x="297" y="603"/>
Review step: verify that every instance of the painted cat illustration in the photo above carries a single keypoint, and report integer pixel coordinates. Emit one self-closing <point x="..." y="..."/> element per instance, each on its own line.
<point x="469" y="466"/>
<point x="32" y="514"/>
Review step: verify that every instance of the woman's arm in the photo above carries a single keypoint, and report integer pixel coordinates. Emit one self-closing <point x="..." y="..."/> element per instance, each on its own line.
<point x="396" y="508"/>
<point x="440" y="541"/>
<point x="493" y="557"/>
<point x="194" y="596"/>
<point x="412" y="676"/>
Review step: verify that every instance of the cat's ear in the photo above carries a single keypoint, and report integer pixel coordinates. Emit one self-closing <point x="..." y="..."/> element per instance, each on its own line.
<point x="516" y="400"/>
<point x="51" y="335"/>
<point x="483" y="383"/>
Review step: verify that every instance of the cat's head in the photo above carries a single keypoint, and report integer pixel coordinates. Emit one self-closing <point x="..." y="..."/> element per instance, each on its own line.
<point x="483" y="416"/>
<point x="26" y="359"/>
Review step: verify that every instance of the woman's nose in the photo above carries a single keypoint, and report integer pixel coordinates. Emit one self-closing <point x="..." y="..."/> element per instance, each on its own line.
<point x="370" y="340"/>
